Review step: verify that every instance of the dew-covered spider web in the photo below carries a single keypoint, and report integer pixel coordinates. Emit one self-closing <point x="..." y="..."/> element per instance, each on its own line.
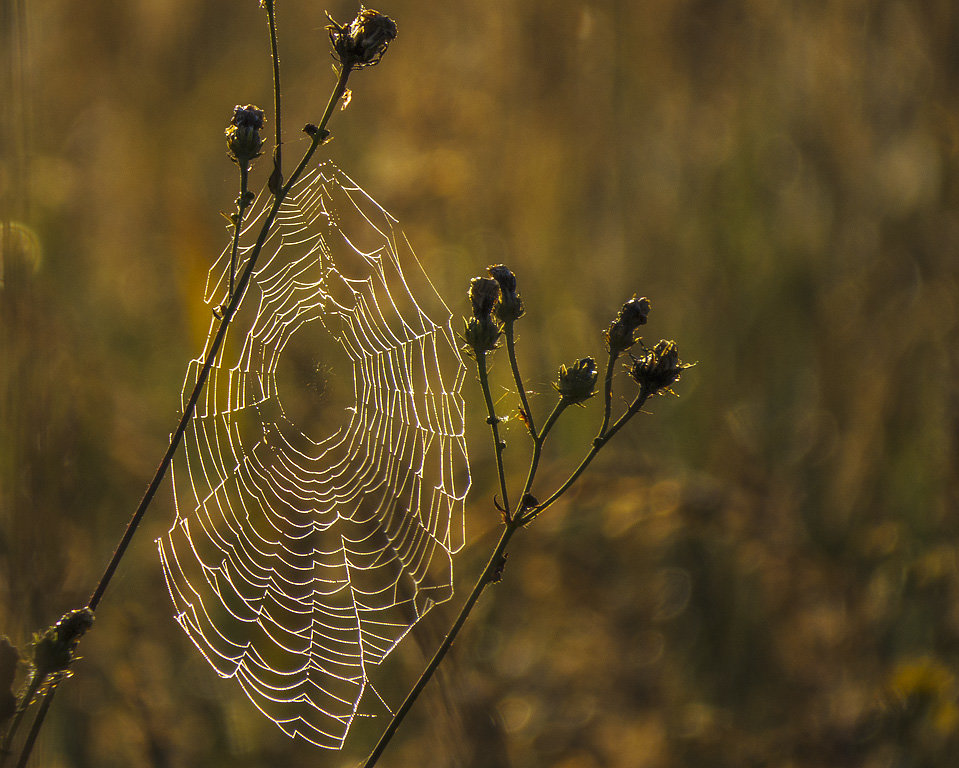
<point x="322" y="489"/>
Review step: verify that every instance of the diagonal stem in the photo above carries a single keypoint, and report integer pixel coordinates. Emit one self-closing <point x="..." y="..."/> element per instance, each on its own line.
<point x="490" y="575"/>
<point x="234" y="302"/>
<point x="317" y="138"/>
<point x="34" y="683"/>
<point x="598" y="442"/>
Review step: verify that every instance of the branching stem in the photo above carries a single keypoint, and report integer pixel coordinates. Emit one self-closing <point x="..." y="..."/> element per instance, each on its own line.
<point x="598" y="442"/>
<point x="539" y="440"/>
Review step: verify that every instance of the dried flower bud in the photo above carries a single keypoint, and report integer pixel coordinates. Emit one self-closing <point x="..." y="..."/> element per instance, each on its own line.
<point x="483" y="295"/>
<point x="363" y="42"/>
<point x="577" y="383"/>
<point x="481" y="334"/>
<point x="658" y="368"/>
<point x="510" y="306"/>
<point x="243" y="140"/>
<point x="53" y="649"/>
<point x="621" y="334"/>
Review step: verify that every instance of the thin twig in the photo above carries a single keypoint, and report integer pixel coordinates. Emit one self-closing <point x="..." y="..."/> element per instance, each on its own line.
<point x="493" y="421"/>
<point x="598" y="442"/>
<point x="491" y="574"/>
<point x="276" y="178"/>
<point x="26" y="698"/>
<point x="608" y="392"/>
<point x="241" y="206"/>
<point x="538" y="441"/>
<point x="514" y="365"/>
<point x="35" y="728"/>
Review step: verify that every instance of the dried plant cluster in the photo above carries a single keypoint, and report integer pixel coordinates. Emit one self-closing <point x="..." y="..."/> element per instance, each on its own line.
<point x="496" y="307"/>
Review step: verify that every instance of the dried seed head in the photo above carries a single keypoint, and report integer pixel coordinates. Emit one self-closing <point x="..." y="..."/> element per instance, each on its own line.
<point x="577" y="383"/>
<point x="243" y="140"/>
<point x="481" y="335"/>
<point x="510" y="306"/>
<point x="362" y="42"/>
<point x="621" y="334"/>
<point x="55" y="647"/>
<point x="483" y="295"/>
<point x="658" y="368"/>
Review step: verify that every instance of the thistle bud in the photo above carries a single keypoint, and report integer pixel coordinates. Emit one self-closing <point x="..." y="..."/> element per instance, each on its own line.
<point x="483" y="295"/>
<point x="510" y="306"/>
<point x="577" y="382"/>
<point x="54" y="648"/>
<point x="481" y="334"/>
<point x="243" y="140"/>
<point x="362" y="42"/>
<point x="621" y="334"/>
<point x="658" y="368"/>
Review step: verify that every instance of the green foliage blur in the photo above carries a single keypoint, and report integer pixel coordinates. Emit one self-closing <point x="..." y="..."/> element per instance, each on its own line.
<point x="761" y="572"/>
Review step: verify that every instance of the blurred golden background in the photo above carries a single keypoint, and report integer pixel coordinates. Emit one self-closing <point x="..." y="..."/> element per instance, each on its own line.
<point x="762" y="571"/>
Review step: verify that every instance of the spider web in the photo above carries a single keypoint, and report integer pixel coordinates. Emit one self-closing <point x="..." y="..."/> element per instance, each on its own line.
<point x="315" y="524"/>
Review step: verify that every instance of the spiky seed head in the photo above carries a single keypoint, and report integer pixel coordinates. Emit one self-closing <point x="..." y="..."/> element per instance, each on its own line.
<point x="621" y="334"/>
<point x="362" y="42"/>
<point x="658" y="368"/>
<point x="481" y="335"/>
<point x="576" y="383"/>
<point x="510" y="305"/>
<point x="243" y="141"/>
<point x="54" y="648"/>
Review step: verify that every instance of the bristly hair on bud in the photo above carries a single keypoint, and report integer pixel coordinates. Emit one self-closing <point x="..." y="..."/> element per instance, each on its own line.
<point x="621" y="334"/>
<point x="243" y="140"/>
<point x="362" y="42"/>
<point x="577" y="382"/>
<point x="510" y="306"/>
<point x="658" y="368"/>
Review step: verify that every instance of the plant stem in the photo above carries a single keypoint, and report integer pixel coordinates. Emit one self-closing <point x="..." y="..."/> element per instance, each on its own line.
<point x="35" y="728"/>
<point x="214" y="348"/>
<point x="608" y="392"/>
<point x="598" y="442"/>
<point x="511" y="350"/>
<point x="241" y="205"/>
<point x="277" y="111"/>
<point x="538" y="441"/>
<point x="493" y="421"/>
<point x="26" y="698"/>
<point x="317" y="138"/>
<point x="491" y="574"/>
